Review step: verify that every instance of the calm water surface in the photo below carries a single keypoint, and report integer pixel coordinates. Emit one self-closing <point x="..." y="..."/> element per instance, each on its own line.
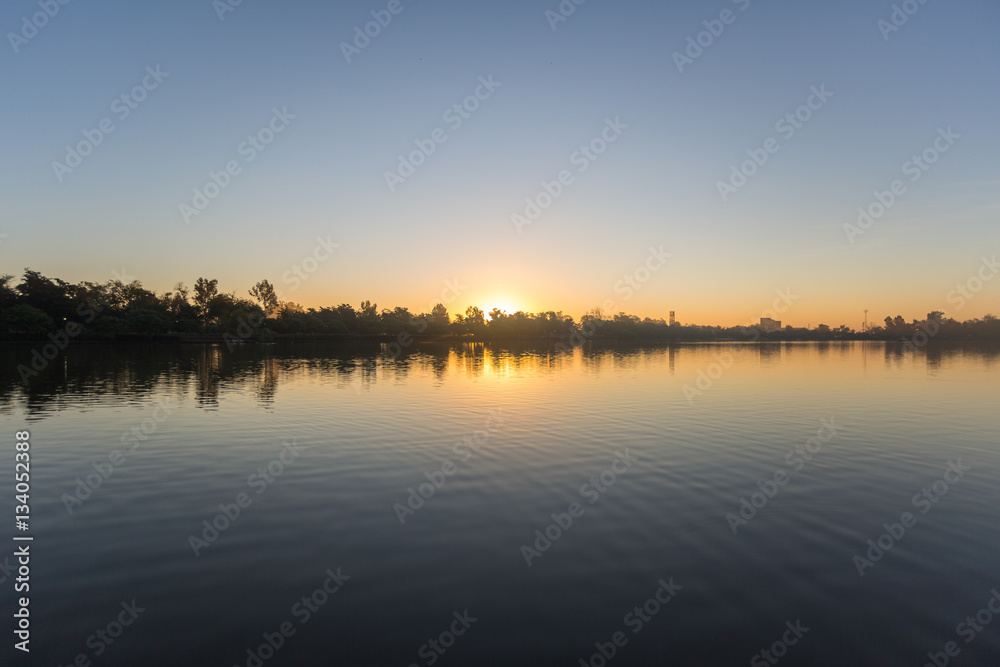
<point x="420" y="483"/>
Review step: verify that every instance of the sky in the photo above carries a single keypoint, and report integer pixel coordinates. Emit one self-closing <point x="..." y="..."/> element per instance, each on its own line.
<point x="707" y="158"/>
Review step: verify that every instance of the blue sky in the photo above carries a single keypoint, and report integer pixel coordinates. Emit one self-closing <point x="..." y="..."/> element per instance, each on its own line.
<point x="323" y="175"/>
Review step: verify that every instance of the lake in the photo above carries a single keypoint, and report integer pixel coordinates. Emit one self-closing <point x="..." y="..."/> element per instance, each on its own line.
<point x="317" y="504"/>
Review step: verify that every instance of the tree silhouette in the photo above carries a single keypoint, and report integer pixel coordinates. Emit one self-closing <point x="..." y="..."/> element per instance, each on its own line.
<point x="39" y="306"/>
<point x="48" y="296"/>
<point x="440" y="314"/>
<point x="368" y="320"/>
<point x="176" y="300"/>
<point x="266" y="297"/>
<point x="475" y="319"/>
<point x="8" y="296"/>
<point x="347" y="315"/>
<point x="23" y="318"/>
<point x="204" y="291"/>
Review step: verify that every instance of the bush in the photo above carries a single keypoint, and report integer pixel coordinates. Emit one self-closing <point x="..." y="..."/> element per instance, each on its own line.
<point x="23" y="318"/>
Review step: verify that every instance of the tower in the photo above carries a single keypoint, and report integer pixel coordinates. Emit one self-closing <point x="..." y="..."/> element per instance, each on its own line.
<point x="672" y="318"/>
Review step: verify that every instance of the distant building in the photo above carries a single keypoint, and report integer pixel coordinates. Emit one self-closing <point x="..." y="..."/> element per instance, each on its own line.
<point x="768" y="325"/>
<point x="673" y="320"/>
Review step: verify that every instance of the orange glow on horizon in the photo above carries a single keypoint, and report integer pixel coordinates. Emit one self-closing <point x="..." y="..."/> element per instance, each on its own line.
<point x="504" y="303"/>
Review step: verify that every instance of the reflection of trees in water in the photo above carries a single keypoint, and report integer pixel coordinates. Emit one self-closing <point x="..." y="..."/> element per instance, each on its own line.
<point x="769" y="354"/>
<point x="207" y="376"/>
<point x="437" y="359"/>
<point x="471" y="358"/>
<point x="267" y="382"/>
<point x="86" y="372"/>
<point x="936" y="355"/>
<point x="606" y="358"/>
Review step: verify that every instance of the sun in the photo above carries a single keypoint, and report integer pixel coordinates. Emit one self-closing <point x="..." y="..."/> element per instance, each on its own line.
<point x="506" y="304"/>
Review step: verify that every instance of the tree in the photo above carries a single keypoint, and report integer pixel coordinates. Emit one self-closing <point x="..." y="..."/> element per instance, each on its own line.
<point x="475" y="319"/>
<point x="439" y="314"/>
<point x="347" y="315"/>
<point x="368" y="319"/>
<point x="23" y="318"/>
<point x="51" y="297"/>
<point x="329" y="321"/>
<point x="204" y="291"/>
<point x="127" y="297"/>
<point x="394" y="321"/>
<point x="8" y="297"/>
<point x="236" y="315"/>
<point x="146" y="321"/>
<point x="287" y="308"/>
<point x="176" y="300"/>
<point x="266" y="297"/>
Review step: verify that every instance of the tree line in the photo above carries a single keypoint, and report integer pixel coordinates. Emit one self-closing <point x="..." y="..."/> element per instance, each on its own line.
<point x="38" y="305"/>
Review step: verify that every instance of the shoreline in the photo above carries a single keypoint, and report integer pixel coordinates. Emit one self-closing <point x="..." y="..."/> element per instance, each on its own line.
<point x="229" y="340"/>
